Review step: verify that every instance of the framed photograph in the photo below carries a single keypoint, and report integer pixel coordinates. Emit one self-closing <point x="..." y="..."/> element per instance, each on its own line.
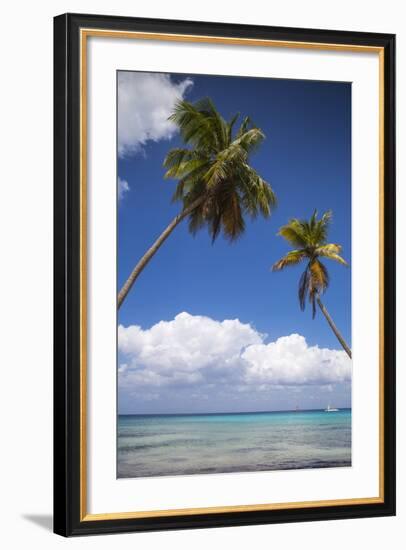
<point x="224" y="274"/>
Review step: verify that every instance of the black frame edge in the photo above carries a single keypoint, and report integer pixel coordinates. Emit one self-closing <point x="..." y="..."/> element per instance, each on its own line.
<point x="216" y="28"/>
<point x="390" y="274"/>
<point x="60" y="473"/>
<point x="66" y="277"/>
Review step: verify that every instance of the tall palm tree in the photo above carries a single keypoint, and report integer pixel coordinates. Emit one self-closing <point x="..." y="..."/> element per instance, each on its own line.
<point x="310" y="241"/>
<point x="217" y="186"/>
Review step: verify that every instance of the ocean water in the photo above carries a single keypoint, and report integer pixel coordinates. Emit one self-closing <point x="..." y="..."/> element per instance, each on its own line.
<point x="168" y="445"/>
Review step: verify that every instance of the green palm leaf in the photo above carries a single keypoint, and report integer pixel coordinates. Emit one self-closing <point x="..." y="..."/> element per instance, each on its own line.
<point x="293" y="257"/>
<point x="332" y="252"/>
<point x="217" y="168"/>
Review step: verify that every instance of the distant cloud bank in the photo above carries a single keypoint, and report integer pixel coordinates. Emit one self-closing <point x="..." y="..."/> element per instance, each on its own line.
<point x="211" y="358"/>
<point x="122" y="188"/>
<point x="145" y="101"/>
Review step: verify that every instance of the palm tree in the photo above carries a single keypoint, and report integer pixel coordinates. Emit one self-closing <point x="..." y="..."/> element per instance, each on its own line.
<point x="216" y="184"/>
<point x="310" y="241"/>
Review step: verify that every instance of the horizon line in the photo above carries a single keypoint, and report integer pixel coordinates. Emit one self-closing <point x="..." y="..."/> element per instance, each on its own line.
<point x="223" y="412"/>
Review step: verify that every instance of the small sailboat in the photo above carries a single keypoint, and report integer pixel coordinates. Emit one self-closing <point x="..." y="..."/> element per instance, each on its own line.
<point x="330" y="409"/>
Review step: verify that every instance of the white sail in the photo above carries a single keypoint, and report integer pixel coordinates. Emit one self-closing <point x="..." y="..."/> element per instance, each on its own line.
<point x="330" y="409"/>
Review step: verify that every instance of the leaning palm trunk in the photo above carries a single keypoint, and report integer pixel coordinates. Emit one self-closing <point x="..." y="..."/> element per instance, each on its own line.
<point x="151" y="251"/>
<point x="333" y="327"/>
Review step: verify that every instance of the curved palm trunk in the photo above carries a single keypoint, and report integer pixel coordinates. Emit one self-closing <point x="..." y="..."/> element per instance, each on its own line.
<point x="333" y="327"/>
<point x="151" y="251"/>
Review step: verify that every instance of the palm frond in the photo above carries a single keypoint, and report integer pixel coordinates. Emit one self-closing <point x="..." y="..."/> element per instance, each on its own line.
<point x="257" y="195"/>
<point x="179" y="193"/>
<point x="231" y="126"/>
<point x="192" y="191"/>
<point x="180" y="162"/>
<point x="293" y="257"/>
<point x="188" y="169"/>
<point x="312" y="300"/>
<point x="294" y="233"/>
<point x="321" y="227"/>
<point x="231" y="216"/>
<point x="312" y="222"/>
<point x="319" y="276"/>
<point x="250" y="140"/>
<point x="191" y="184"/>
<point x="196" y="124"/>
<point x="329" y="248"/>
<point x="216" y="168"/>
<point x="174" y="158"/>
<point x="304" y="288"/>
<point x="332" y="252"/>
<point x="233" y="153"/>
<point x="244" y="126"/>
<point x="318" y="282"/>
<point x="220" y="126"/>
<point x="196" y="220"/>
<point x="216" y="173"/>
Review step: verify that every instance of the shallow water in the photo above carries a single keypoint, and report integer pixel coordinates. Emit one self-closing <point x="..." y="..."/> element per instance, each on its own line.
<point x="157" y="445"/>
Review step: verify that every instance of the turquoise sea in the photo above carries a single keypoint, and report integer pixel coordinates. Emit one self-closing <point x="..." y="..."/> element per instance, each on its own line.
<point x="167" y="445"/>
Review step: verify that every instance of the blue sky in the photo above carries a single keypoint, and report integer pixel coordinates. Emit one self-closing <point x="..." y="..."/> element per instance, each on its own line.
<point x="306" y="157"/>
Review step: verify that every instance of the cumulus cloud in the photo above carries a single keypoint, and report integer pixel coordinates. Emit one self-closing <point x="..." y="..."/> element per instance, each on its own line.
<point x="188" y="349"/>
<point x="122" y="188"/>
<point x="145" y="101"/>
<point x="291" y="361"/>
<point x="212" y="356"/>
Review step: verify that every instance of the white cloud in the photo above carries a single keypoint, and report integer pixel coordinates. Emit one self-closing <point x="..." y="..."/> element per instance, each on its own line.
<point x="291" y="361"/>
<point x="145" y="101"/>
<point x="199" y="351"/>
<point x="186" y="350"/>
<point x="122" y="188"/>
